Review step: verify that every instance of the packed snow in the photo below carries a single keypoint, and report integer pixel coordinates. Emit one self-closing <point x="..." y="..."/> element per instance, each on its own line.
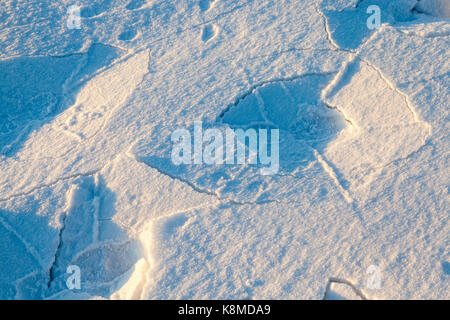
<point x="357" y="207"/>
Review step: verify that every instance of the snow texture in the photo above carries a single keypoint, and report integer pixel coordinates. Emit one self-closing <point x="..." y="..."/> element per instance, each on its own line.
<point x="86" y="177"/>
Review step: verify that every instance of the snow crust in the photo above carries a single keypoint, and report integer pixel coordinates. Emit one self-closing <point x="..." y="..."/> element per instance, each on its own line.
<point x="86" y="178"/>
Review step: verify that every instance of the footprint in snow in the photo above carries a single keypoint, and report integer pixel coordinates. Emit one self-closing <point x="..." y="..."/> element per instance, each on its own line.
<point x="205" y="5"/>
<point x="209" y="32"/>
<point x="128" y="35"/>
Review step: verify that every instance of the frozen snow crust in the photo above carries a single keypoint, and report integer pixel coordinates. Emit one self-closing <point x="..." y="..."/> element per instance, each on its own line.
<point x="86" y="177"/>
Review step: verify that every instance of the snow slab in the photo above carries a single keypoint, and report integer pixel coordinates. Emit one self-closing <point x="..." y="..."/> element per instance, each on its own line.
<point x="86" y="177"/>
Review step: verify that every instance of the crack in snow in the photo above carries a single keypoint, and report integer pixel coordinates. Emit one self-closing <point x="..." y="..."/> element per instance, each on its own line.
<point x="327" y="30"/>
<point x="202" y="191"/>
<point x="332" y="280"/>
<point x="58" y="250"/>
<point x="215" y="194"/>
<point x="263" y="83"/>
<point x="51" y="184"/>
<point x="329" y="170"/>
<point x="89" y="173"/>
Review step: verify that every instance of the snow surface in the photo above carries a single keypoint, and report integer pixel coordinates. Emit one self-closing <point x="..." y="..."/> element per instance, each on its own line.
<point x="438" y="8"/>
<point x="86" y="177"/>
